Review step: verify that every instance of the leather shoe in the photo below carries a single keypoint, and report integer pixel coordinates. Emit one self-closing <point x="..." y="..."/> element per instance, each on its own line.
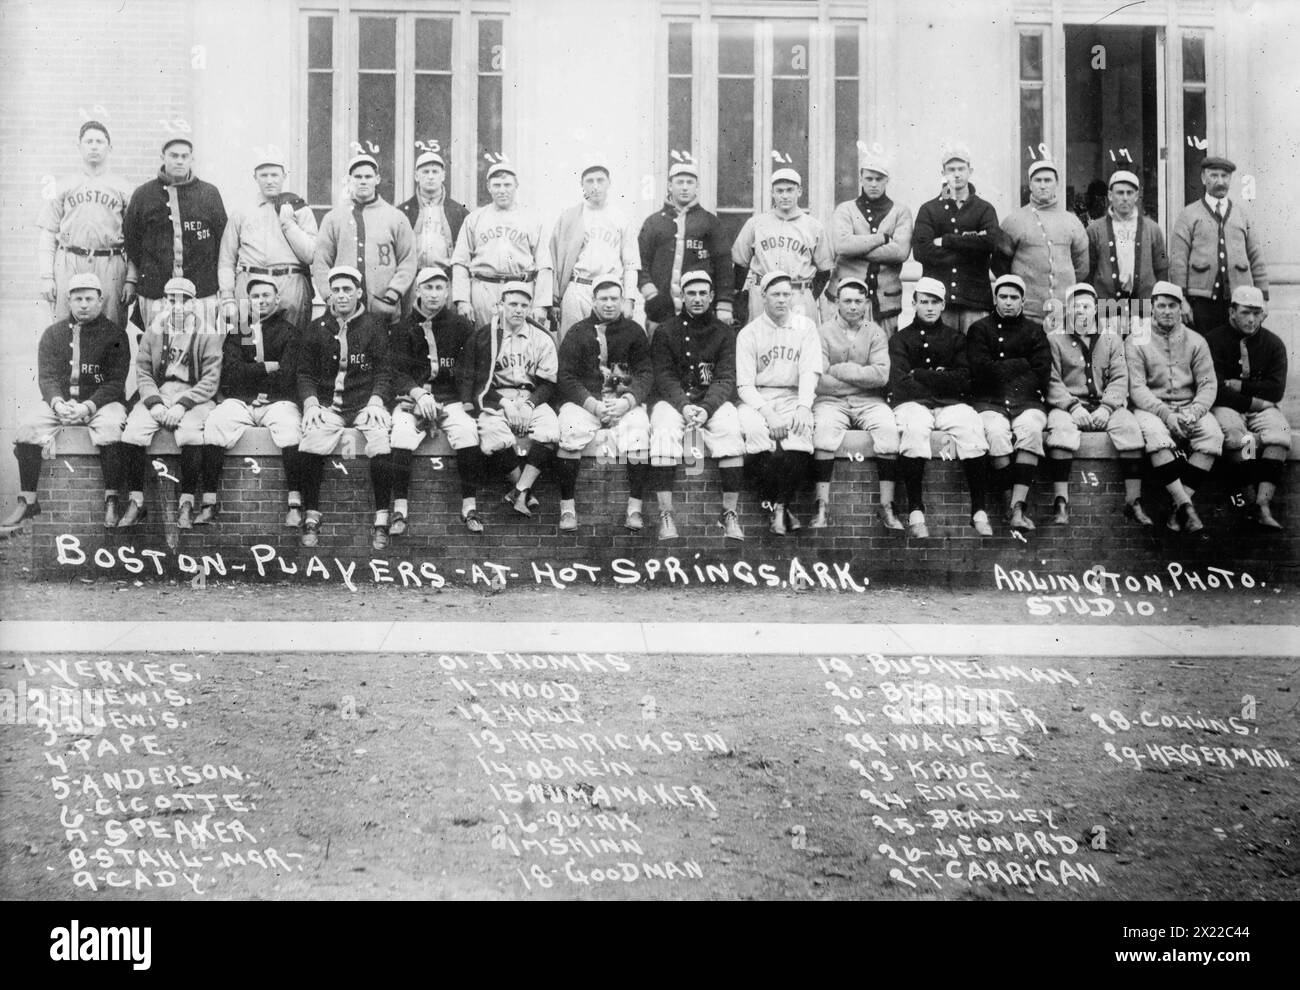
<point x="1020" y="518"/>
<point x="980" y="522"/>
<point x="518" y="501"/>
<point x="1185" y="519"/>
<point x="185" y="516"/>
<point x="778" y="520"/>
<point x="1263" y="516"/>
<point x="731" y="526"/>
<point x="379" y="538"/>
<point x="792" y="522"/>
<point x="398" y="525"/>
<point x="916" y="527"/>
<point x="633" y="523"/>
<point x="24" y="510"/>
<point x="888" y="518"/>
<point x="568" y="521"/>
<point x="135" y="513"/>
<point x="310" y="533"/>
<point x="667" y="525"/>
<point x="1134" y="511"/>
<point x="821" y="518"/>
<point x="208" y="513"/>
<point x="472" y="522"/>
<point x="111" y="515"/>
<point x="293" y="518"/>
<point x="1061" y="513"/>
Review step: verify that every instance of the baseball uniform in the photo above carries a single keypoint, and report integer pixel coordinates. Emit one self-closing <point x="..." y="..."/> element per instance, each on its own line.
<point x="599" y="361"/>
<point x="674" y="241"/>
<point x="82" y="231"/>
<point x="872" y="238"/>
<point x="1172" y="373"/>
<point x="797" y="245"/>
<point x="520" y="364"/>
<point x="497" y="246"/>
<point x="695" y="364"/>
<point x="256" y="242"/>
<point x="375" y="238"/>
<point x="777" y="366"/>
<point x="590" y="243"/>
<point x="851" y="391"/>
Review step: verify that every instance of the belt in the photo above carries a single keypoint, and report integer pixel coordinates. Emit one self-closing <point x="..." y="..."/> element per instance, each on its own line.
<point x="593" y="281"/>
<point x="804" y="284"/>
<point x="531" y="276"/>
<point x="85" y="253"/>
<point x="282" y="270"/>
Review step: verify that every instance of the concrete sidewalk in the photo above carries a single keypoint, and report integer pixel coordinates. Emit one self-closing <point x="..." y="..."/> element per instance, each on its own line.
<point x="648" y="637"/>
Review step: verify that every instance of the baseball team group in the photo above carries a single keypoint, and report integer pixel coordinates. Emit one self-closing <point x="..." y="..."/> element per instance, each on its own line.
<point x="524" y="342"/>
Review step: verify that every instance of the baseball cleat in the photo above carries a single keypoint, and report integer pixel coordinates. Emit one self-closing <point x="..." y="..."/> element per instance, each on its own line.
<point x="1061" y="511"/>
<point x="185" y="516"/>
<point x="916" y="527"/>
<point x="792" y="522"/>
<point x="821" y="518"/>
<point x="24" y="510"/>
<point x="1185" y="519"/>
<point x="135" y="513"/>
<point x="1134" y="511"/>
<point x="111" y="515"/>
<point x="379" y="538"/>
<point x="310" y="533"/>
<point x="293" y="518"/>
<point x="1263" y="516"/>
<point x="667" y="525"/>
<point x="634" y="523"/>
<point x="568" y="521"/>
<point x="517" y="499"/>
<point x="778" y="520"/>
<point x="1020" y="517"/>
<point x="208" y="513"/>
<point x="731" y="526"/>
<point x="398" y="526"/>
<point x="980" y="522"/>
<point x="472" y="521"/>
<point x="888" y="518"/>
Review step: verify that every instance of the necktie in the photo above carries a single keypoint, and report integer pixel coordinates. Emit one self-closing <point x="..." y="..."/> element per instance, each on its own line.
<point x="1220" y="274"/>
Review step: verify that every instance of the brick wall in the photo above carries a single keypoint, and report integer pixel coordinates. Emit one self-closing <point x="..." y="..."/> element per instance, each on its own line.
<point x="253" y="513"/>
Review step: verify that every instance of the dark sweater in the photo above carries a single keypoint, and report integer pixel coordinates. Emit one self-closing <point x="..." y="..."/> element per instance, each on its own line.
<point x="456" y="214"/>
<point x="628" y="369"/>
<point x="409" y="353"/>
<point x="149" y="235"/>
<point x="243" y="372"/>
<point x="1010" y="363"/>
<point x="706" y="248"/>
<point x="105" y="357"/>
<point x="1267" y="357"/>
<point x="927" y="364"/>
<point x="367" y="372"/>
<point x="969" y="236"/>
<point x="695" y="362"/>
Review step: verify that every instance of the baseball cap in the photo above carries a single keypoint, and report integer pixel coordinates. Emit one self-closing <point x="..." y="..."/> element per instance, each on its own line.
<point x="600" y="283"/>
<point x="521" y="287"/>
<point x="786" y="175"/>
<point x="262" y="279"/>
<point x="87" y="280"/>
<point x="594" y="166"/>
<point x="874" y="163"/>
<point x="1013" y="280"/>
<point x="497" y="168"/>
<point x="345" y="271"/>
<point x="956" y="150"/>
<point x="684" y="168"/>
<point x="1167" y="289"/>
<point x="271" y="159"/>
<point x="1081" y="287"/>
<point x="697" y="276"/>
<point x="1217" y="161"/>
<point x="431" y="272"/>
<point x="772" y="277"/>
<point x="356" y="160"/>
<point x="857" y="283"/>
<point x="177" y="140"/>
<point x="1044" y="165"/>
<point x="181" y="285"/>
<point x="1123" y="176"/>
<point x="430" y="158"/>
<point x="931" y="286"/>
<point x="1247" y="295"/>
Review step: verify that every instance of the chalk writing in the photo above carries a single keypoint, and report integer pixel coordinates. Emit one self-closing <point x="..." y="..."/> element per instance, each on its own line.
<point x="1098" y="592"/>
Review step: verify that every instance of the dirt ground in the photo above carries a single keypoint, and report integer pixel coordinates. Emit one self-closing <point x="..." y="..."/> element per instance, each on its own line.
<point x="374" y="777"/>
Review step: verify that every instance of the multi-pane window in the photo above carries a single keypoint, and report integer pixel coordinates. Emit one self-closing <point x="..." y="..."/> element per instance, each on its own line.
<point x="1032" y="146"/>
<point x="1195" y="119"/>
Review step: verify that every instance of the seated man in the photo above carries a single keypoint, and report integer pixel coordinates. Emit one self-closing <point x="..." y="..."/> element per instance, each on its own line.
<point x="694" y="355"/>
<point x="605" y="376"/>
<point x="778" y="365"/>
<point x="344" y="380"/>
<point x="1088" y="392"/>
<point x="1011" y="365"/>
<point x="81" y="367"/>
<point x="851" y="393"/>
<point x="259" y="382"/>
<point x="509" y="377"/>
<point x="1172" y="388"/>
<point x="178" y="369"/>
<point x="929" y="383"/>
<point x="1250" y="369"/>
<point x="425" y="350"/>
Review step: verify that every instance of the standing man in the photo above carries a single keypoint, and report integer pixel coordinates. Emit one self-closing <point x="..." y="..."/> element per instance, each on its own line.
<point x="694" y="356"/>
<point x="434" y="216"/>
<point x="178" y="369"/>
<point x="778" y="365"/>
<point x="784" y="239"/>
<point x="81" y="371"/>
<point x="591" y="241"/>
<point x="509" y="378"/>
<point x="1045" y="245"/>
<point x="173" y="229"/>
<point x="604" y="380"/>
<point x="1172" y="387"/>
<point x="1215" y="248"/>
<point x="682" y="237"/>
<point x="851" y="393"/>
<point x="500" y="244"/>
<point x="274" y="239"/>
<point x="872" y="237"/>
<point x="425" y="349"/>
<point x="1250" y="367"/>
<point x="1088" y="392"/>
<point x="81" y="230"/>
<point x="955" y="237"/>
<point x="259" y="386"/>
<point x="344" y="380"/>
<point x="929" y="382"/>
<point x="1126" y="255"/>
<point x="1011" y="368"/>
<point x="371" y="236"/>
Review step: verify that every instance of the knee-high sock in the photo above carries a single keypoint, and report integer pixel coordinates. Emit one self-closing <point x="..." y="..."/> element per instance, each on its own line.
<point x="824" y="470"/>
<point x="29" y="465"/>
<point x="214" y="458"/>
<point x="110" y="462"/>
<point x="400" y="467"/>
<point x="731" y="478"/>
<point x="637" y="473"/>
<point x="661" y="477"/>
<point x="381" y="480"/>
<point x="1267" y="471"/>
<point x="539" y="455"/>
<point x="1058" y="469"/>
<point x="1024" y="474"/>
<point x="758" y="468"/>
<point x="912" y="470"/>
<point x="566" y="471"/>
<point x="503" y="461"/>
<point x="134" y="467"/>
<point x="977" y="480"/>
<point x="310" y="468"/>
<point x="469" y="465"/>
<point x="292" y="462"/>
<point x="191" y="468"/>
<point x="797" y="463"/>
<point x="1193" y="477"/>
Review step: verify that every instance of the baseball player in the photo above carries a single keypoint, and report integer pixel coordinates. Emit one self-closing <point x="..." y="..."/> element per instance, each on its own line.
<point x="1172" y="387"/>
<point x="178" y="369"/>
<point x="929" y="383"/>
<point x="172" y="229"/>
<point x="81" y="371"/>
<point x="259" y="387"/>
<point x="694" y="357"/>
<point x="682" y="237"/>
<point x="344" y="380"/>
<point x="778" y="365"/>
<point x="275" y="238"/>
<point x="851" y="393"/>
<point x="1126" y="255"/>
<point x="500" y="244"/>
<point x="591" y="241"/>
<point x="872" y="237"/>
<point x="1088" y="391"/>
<point x="1250" y="367"/>
<point x="435" y="217"/>
<point x="81" y="230"/>
<point x="605" y="377"/>
<point x="425" y="349"/>
<point x="510" y="371"/>
<point x="785" y="239"/>
<point x="371" y="236"/>
<point x="1011" y="366"/>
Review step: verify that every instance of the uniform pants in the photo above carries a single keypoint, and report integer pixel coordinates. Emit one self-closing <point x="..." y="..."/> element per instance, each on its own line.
<point x="834" y="415"/>
<point x="1205" y="436"/>
<point x="141" y="426"/>
<point x="630" y="434"/>
<point x="754" y="427"/>
<point x="1024" y="433"/>
<point x="1064" y="434"/>
<point x="40" y="429"/>
<point x="1270" y="425"/>
<point x="410" y="429"/>
<point x="720" y="434"/>
<point x="959" y="421"/>
<point x="324" y="437"/>
<point x="228" y="421"/>
<point x="494" y="433"/>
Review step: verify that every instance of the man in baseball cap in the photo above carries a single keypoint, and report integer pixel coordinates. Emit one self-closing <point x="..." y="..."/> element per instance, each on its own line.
<point x="81" y="368"/>
<point x="592" y="240"/>
<point x="434" y="216"/>
<point x="1250" y="366"/>
<point x="872" y="237"/>
<point x="929" y="385"/>
<point x="1172" y="387"/>
<point x="954" y="240"/>
<point x="1126" y="255"/>
<point x="788" y="239"/>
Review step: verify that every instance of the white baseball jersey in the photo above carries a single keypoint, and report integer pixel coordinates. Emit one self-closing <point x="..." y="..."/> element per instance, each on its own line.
<point x="499" y="243"/>
<point x="86" y="211"/>
<point x="523" y="357"/>
<point x="607" y="247"/>
<point x="798" y="246"/>
<point x="771" y="360"/>
<point x="253" y="236"/>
